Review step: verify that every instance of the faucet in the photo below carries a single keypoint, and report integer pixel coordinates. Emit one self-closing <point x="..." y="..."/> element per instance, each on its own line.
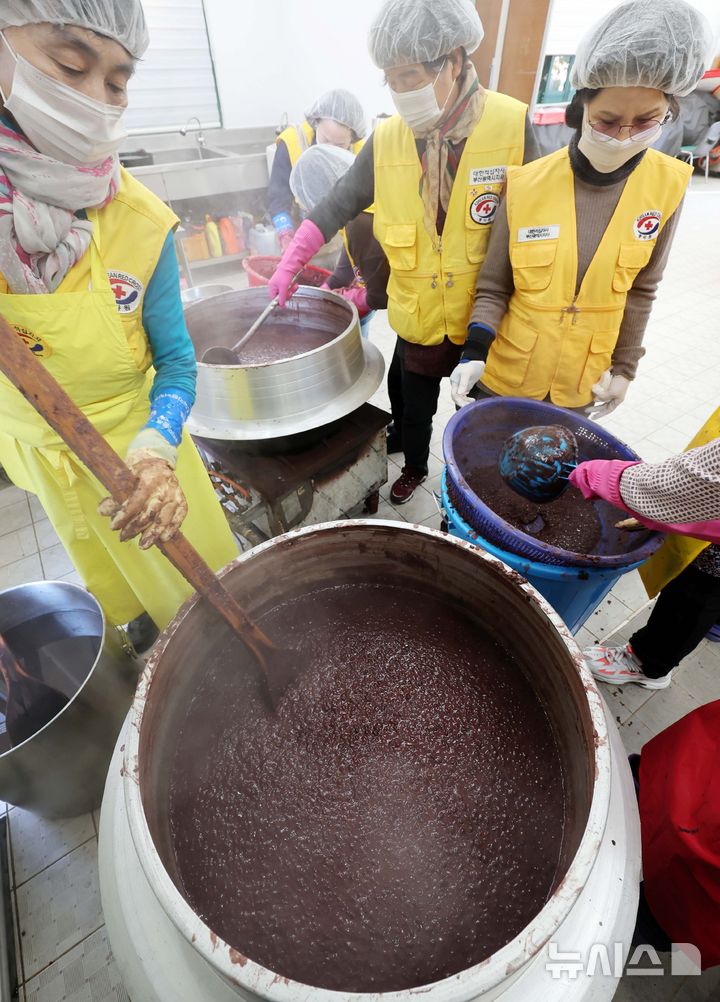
<point x="199" y="134"/>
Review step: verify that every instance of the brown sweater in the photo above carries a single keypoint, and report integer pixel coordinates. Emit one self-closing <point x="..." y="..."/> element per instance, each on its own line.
<point x="594" y="208"/>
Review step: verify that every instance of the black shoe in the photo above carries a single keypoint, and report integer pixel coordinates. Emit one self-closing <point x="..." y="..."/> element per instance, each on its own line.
<point x="394" y="442"/>
<point x="142" y="633"/>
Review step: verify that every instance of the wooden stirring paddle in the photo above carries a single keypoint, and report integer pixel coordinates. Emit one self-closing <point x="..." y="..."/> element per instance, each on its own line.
<point x="30" y="703"/>
<point x="48" y="398"/>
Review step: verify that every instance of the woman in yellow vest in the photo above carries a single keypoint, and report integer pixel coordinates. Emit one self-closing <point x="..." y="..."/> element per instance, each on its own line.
<point x="336" y="119"/>
<point x="435" y="172"/>
<point x="581" y="240"/>
<point x="89" y="280"/>
<point x="680" y="496"/>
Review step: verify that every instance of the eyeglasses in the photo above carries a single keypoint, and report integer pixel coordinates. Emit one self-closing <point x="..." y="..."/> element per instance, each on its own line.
<point x="647" y="127"/>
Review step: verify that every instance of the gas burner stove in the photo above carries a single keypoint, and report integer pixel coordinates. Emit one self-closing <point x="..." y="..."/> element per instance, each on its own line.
<point x="336" y="476"/>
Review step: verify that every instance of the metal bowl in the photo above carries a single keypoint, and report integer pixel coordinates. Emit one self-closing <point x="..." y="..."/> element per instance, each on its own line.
<point x="197" y="293"/>
<point x="64" y="640"/>
<point x="270" y="400"/>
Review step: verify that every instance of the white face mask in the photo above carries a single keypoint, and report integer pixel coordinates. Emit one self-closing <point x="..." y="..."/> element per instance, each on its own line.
<point x="59" y="121"/>
<point x="419" y="108"/>
<point x="607" y="155"/>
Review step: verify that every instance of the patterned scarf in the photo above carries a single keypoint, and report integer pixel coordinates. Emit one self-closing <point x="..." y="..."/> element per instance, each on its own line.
<point x="440" y="160"/>
<point x="41" y="238"/>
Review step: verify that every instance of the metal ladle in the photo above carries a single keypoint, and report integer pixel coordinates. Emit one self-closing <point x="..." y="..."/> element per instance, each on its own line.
<point x="217" y="355"/>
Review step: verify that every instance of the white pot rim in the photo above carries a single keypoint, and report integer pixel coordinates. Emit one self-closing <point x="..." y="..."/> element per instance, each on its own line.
<point x="462" y="987"/>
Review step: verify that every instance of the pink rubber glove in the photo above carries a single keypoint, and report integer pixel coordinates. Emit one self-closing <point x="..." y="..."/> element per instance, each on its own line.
<point x="356" y="294"/>
<point x="600" y="478"/>
<point x="304" y="246"/>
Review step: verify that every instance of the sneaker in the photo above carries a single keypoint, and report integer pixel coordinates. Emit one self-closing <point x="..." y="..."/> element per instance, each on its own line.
<point x="406" y="484"/>
<point x="618" y="665"/>
<point x="394" y="442"/>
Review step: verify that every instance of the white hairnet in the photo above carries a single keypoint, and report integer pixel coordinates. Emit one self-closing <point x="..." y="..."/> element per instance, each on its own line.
<point x="342" y="107"/>
<point x="121" y="20"/>
<point x="317" y="171"/>
<point x="421" y="31"/>
<point x="663" y="44"/>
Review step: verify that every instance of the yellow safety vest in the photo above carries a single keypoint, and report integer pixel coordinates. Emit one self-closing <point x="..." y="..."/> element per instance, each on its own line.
<point x="678" y="552"/>
<point x="90" y="337"/>
<point x="552" y="341"/>
<point x="432" y="281"/>
<point x="299" y="138"/>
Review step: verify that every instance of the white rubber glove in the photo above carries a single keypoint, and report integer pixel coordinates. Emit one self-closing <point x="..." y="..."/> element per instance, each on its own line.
<point x="463" y="378"/>
<point x="609" y="392"/>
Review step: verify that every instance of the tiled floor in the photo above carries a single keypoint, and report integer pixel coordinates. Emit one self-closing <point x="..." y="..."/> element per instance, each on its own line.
<point x="64" y="954"/>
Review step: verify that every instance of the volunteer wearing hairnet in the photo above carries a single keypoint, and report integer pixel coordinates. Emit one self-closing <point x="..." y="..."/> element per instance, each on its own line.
<point x="583" y="235"/>
<point x="336" y="119"/>
<point x="435" y="172"/>
<point x="362" y="273"/>
<point x="89" y="280"/>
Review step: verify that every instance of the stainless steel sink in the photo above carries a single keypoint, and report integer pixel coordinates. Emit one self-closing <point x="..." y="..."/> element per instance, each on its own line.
<point x="187" y="154"/>
<point x="230" y="160"/>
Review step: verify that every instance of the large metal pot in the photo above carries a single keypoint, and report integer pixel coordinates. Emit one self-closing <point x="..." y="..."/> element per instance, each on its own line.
<point x="165" y="951"/>
<point x="199" y="293"/>
<point x="271" y="400"/>
<point x="59" y="632"/>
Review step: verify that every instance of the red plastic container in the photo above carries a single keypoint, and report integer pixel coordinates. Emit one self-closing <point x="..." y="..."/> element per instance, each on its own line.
<point x="260" y="269"/>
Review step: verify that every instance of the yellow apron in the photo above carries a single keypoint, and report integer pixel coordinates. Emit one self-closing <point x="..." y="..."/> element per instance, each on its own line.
<point x="432" y="280"/>
<point x="678" y="552"/>
<point x="552" y="341"/>
<point x="80" y="338"/>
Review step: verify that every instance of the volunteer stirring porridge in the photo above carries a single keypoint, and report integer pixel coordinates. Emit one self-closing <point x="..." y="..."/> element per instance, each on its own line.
<point x="89" y="280"/>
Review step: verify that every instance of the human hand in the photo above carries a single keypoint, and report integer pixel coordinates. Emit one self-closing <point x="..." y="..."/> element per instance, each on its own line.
<point x="463" y="378"/>
<point x="608" y="393"/>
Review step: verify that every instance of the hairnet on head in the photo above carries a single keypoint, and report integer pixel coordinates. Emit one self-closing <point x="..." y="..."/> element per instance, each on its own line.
<point x="421" y="31"/>
<point x="317" y="171"/>
<point x="663" y="44"/>
<point x="342" y="107"/>
<point x="121" y="20"/>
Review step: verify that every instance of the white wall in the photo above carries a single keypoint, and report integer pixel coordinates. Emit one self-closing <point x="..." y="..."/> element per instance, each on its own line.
<point x="277" y="56"/>
<point x="570" y="19"/>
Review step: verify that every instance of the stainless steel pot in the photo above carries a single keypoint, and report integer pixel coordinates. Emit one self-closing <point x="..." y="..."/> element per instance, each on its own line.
<point x="59" y="632"/>
<point x="270" y="400"/>
<point x="166" y="953"/>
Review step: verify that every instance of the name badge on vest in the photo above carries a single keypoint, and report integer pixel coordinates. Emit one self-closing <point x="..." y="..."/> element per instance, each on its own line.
<point x="527" y="233"/>
<point x="487" y="175"/>
<point x="647" y="225"/>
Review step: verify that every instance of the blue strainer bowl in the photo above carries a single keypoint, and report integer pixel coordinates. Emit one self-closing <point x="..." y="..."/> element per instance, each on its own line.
<point x="475" y="436"/>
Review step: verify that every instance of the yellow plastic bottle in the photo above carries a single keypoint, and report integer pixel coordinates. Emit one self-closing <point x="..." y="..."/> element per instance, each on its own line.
<point x="213" y="237"/>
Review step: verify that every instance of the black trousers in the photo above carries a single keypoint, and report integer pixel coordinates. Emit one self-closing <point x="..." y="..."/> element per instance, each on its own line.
<point x="684" y="612"/>
<point x="413" y="402"/>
